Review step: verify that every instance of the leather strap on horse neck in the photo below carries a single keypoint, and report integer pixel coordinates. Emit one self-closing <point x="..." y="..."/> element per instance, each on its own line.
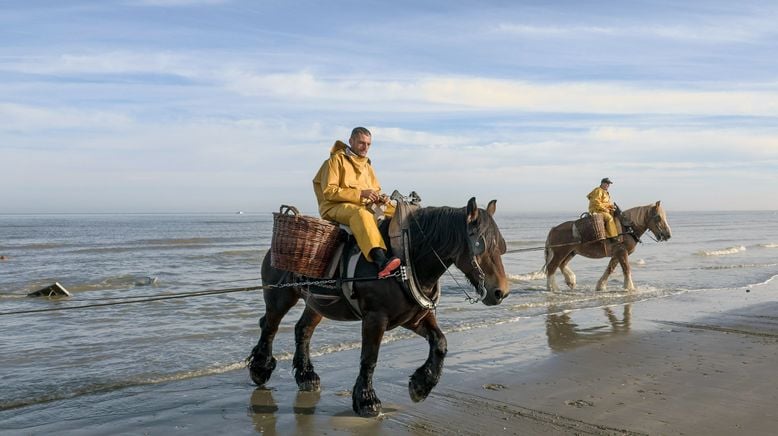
<point x="400" y="241"/>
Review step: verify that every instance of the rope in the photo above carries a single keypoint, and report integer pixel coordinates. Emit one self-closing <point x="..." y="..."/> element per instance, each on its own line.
<point x="519" y="250"/>
<point x="144" y="300"/>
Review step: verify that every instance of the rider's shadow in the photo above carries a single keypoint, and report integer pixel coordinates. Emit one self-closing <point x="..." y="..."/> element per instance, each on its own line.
<point x="564" y="334"/>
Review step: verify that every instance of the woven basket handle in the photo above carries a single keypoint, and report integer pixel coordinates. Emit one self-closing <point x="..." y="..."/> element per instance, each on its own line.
<point x="288" y="210"/>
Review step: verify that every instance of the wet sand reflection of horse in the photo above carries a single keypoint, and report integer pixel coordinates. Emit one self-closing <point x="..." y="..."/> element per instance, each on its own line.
<point x="559" y="251"/>
<point x="563" y="334"/>
<point x="466" y="237"/>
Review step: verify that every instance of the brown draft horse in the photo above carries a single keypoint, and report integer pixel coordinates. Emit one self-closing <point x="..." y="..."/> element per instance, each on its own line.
<point x="466" y="237"/>
<point x="559" y="251"/>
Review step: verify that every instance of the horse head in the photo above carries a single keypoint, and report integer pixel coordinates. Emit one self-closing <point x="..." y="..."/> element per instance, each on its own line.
<point x="482" y="261"/>
<point x="657" y="223"/>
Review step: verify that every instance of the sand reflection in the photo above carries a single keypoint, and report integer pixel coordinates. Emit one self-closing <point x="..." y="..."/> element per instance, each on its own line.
<point x="268" y="417"/>
<point x="564" y="334"/>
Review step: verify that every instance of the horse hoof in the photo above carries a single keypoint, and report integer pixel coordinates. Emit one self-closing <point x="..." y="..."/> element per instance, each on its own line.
<point x="420" y="385"/>
<point x="260" y="373"/>
<point x="365" y="402"/>
<point x="308" y="382"/>
<point x="368" y="410"/>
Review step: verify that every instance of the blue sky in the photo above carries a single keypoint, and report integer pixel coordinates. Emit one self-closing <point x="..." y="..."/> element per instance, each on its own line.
<point x="227" y="105"/>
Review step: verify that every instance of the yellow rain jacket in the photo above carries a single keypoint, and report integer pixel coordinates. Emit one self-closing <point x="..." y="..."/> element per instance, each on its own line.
<point x="338" y="185"/>
<point x="600" y="202"/>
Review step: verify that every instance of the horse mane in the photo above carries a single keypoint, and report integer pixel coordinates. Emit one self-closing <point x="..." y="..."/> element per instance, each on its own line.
<point x="638" y="214"/>
<point x="441" y="228"/>
<point x="445" y="230"/>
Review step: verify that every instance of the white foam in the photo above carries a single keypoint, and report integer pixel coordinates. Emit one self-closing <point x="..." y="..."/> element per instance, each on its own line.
<point x="769" y="245"/>
<point x="537" y="275"/>
<point x="724" y="252"/>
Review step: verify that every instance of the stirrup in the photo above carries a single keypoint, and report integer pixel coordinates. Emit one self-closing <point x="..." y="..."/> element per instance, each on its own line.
<point x="389" y="267"/>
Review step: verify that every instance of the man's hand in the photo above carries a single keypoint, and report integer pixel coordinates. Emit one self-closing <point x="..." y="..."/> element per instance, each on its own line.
<point x="370" y="195"/>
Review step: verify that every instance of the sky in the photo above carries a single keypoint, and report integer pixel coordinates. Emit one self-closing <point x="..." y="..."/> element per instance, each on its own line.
<point x="177" y="106"/>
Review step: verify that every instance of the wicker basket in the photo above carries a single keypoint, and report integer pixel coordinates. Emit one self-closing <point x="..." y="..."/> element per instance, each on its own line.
<point x="302" y="244"/>
<point x="591" y="227"/>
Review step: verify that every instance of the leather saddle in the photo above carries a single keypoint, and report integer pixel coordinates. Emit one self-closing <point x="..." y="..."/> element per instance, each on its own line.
<point x="396" y="231"/>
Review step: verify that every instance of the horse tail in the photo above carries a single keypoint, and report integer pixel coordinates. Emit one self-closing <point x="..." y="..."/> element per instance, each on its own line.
<point x="549" y="255"/>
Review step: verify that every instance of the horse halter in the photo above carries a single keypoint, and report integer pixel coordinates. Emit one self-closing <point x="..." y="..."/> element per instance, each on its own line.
<point x="477" y="247"/>
<point x="657" y="218"/>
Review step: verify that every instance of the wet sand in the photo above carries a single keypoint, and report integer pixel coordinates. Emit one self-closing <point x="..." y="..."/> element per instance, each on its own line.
<point x="696" y="363"/>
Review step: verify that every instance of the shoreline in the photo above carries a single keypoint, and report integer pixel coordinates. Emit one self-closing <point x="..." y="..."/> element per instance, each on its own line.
<point x="692" y="363"/>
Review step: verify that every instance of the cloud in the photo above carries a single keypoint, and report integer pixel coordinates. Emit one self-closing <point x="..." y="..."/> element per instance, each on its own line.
<point x="111" y="62"/>
<point x="26" y="118"/>
<point x="425" y="93"/>
<point x="476" y="93"/>
<point x="734" y="31"/>
<point x="173" y="3"/>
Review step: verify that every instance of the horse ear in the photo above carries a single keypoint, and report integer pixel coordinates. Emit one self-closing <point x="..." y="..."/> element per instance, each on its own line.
<point x="657" y="204"/>
<point x="491" y="207"/>
<point x="472" y="210"/>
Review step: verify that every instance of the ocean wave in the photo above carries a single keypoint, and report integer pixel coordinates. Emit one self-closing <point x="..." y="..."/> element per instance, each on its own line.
<point x="768" y="245"/>
<point x="241" y="253"/>
<point x="182" y="241"/>
<point x="537" y="275"/>
<point x="520" y="243"/>
<point x="723" y="252"/>
<point x="36" y="246"/>
<point x="740" y="266"/>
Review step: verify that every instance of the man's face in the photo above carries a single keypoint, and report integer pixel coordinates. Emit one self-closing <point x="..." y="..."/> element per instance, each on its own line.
<point x="360" y="144"/>
<point x="605" y="186"/>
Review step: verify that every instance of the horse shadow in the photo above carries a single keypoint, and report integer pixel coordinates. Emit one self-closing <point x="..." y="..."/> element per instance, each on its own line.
<point x="564" y="334"/>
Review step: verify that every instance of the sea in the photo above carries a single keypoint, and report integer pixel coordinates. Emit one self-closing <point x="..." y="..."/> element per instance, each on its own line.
<point x="114" y="332"/>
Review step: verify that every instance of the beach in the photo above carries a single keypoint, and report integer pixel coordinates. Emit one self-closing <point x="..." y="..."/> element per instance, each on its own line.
<point x="692" y="363"/>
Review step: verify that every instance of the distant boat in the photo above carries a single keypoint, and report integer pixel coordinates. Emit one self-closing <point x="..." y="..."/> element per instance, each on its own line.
<point x="240" y="212"/>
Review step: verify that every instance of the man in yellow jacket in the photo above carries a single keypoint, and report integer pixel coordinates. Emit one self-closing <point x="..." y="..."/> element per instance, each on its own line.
<point x="600" y="202"/>
<point x="345" y="187"/>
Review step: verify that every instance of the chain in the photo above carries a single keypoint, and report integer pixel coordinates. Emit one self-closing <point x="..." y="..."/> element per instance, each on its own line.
<point x="311" y="283"/>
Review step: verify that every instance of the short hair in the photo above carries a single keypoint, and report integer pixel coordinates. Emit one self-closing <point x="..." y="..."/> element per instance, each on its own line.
<point x="360" y="131"/>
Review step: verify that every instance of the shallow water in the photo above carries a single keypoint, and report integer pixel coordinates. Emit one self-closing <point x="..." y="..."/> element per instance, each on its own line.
<point x="111" y="258"/>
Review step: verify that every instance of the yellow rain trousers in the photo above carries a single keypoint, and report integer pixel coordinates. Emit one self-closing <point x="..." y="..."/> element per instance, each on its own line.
<point x="600" y="202"/>
<point x="338" y="185"/>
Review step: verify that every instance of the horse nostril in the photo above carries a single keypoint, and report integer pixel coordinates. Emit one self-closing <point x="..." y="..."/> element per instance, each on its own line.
<point x="498" y="294"/>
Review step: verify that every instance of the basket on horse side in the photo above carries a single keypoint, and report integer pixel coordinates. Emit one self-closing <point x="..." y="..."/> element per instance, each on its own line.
<point x="302" y="244"/>
<point x="591" y="227"/>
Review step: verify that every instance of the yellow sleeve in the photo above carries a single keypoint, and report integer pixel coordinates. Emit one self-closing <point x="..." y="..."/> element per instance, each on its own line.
<point x="599" y="201"/>
<point x="333" y="184"/>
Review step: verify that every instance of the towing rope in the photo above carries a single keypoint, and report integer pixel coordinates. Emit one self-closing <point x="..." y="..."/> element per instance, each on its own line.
<point x="519" y="250"/>
<point x="139" y="300"/>
<point x="145" y="299"/>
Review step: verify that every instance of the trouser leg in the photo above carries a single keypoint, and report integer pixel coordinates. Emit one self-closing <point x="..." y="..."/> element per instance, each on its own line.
<point x="362" y="224"/>
<point x="610" y="225"/>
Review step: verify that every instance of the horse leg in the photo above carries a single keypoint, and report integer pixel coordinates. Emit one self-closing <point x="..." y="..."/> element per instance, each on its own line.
<point x="426" y="376"/>
<point x="627" y="270"/>
<point x="364" y="400"/>
<point x="304" y="375"/>
<point x="567" y="272"/>
<point x="552" y="263"/>
<point x="602" y="284"/>
<point x="261" y="362"/>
